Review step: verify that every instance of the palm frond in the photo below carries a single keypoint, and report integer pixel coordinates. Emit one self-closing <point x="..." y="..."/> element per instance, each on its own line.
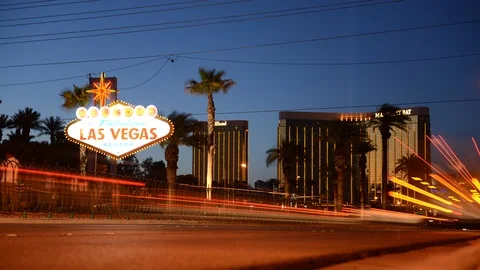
<point x="211" y="81"/>
<point x="185" y="126"/>
<point x="390" y="119"/>
<point x="75" y="97"/>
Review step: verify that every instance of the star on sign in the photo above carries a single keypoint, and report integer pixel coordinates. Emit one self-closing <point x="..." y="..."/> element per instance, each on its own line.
<point x="102" y="91"/>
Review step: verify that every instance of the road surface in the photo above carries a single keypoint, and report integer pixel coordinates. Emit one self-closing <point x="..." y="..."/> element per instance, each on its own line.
<point x="188" y="246"/>
<point x="458" y="256"/>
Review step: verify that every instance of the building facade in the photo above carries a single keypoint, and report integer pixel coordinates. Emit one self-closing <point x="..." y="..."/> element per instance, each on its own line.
<point x="414" y="138"/>
<point x="230" y="161"/>
<point x="316" y="172"/>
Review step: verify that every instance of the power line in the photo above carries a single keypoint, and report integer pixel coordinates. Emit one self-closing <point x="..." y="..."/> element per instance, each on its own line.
<point x="336" y="63"/>
<point x="192" y="25"/>
<point x="50" y="5"/>
<point x="97" y="11"/>
<point x="82" y="61"/>
<point x="338" y="107"/>
<point x="253" y="62"/>
<point x="258" y="46"/>
<point x="149" y="79"/>
<point x="80" y="76"/>
<point x="25" y="3"/>
<point x="45" y="81"/>
<point x="183" y="54"/>
<point x="346" y="107"/>
<point x="126" y="14"/>
<point x="192" y="20"/>
<point x="432" y="26"/>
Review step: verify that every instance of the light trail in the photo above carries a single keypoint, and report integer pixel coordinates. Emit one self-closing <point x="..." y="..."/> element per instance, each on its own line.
<point x="476" y="198"/>
<point x="451" y="187"/>
<point x="429" y="205"/>
<point x="439" y="171"/>
<point x="476" y="183"/>
<point x="78" y="177"/>
<point x="462" y="166"/>
<point x="444" y="152"/>
<point x="216" y="202"/>
<point x="476" y="146"/>
<point x="410" y="186"/>
<point x="394" y="216"/>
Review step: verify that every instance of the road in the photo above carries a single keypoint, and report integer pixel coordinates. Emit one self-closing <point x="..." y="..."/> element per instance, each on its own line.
<point x="188" y="246"/>
<point x="458" y="256"/>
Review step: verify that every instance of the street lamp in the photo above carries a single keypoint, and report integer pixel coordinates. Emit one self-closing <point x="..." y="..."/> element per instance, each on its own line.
<point x="243" y="165"/>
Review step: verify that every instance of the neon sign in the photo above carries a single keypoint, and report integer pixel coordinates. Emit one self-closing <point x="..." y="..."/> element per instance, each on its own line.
<point x="119" y="129"/>
<point x="399" y="112"/>
<point x="220" y="123"/>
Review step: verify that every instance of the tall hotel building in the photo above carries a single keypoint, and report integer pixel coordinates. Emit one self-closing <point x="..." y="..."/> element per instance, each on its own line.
<point x="230" y="162"/>
<point x="316" y="171"/>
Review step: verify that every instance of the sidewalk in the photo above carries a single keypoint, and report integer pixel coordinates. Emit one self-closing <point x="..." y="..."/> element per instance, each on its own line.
<point x="62" y="218"/>
<point x="452" y="257"/>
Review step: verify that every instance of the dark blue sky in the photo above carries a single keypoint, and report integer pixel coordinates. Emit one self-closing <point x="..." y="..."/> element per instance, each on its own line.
<point x="259" y="87"/>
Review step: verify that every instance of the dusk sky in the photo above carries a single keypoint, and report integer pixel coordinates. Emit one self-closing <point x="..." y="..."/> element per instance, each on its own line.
<point x="259" y="86"/>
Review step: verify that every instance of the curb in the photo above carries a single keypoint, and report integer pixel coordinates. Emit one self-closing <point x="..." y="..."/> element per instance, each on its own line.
<point x="322" y="261"/>
<point x="63" y="218"/>
<point x="93" y="221"/>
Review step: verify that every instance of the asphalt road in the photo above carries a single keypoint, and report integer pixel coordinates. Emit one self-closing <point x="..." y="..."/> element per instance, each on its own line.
<point x="182" y="246"/>
<point x="459" y="256"/>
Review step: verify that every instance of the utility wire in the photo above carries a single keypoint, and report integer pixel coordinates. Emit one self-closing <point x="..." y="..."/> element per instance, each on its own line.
<point x="335" y="63"/>
<point x="264" y="45"/>
<point x="97" y="11"/>
<point x="346" y="107"/>
<point x="189" y="21"/>
<point x="248" y="46"/>
<point x="82" y="61"/>
<point x="25" y="3"/>
<point x="338" y="107"/>
<point x="191" y="25"/>
<point x="262" y="63"/>
<point x="149" y="79"/>
<point x="50" y="5"/>
<point x="125" y="14"/>
<point x="80" y="76"/>
<point x="364" y="34"/>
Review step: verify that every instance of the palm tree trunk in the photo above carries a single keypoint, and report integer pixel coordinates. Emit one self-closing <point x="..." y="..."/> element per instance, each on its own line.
<point x="384" y="172"/>
<point x="26" y="134"/>
<point x="171" y="156"/>
<point x="363" y="179"/>
<point x="83" y="160"/>
<point x="287" y="186"/>
<point x="211" y="144"/>
<point x="340" y="184"/>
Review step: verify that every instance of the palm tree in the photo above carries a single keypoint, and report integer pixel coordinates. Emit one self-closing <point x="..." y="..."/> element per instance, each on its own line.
<point x="184" y="127"/>
<point x="51" y="126"/>
<point x="4" y="123"/>
<point x="343" y="135"/>
<point x="17" y="139"/>
<point x="285" y="156"/>
<point x="363" y="148"/>
<point x="388" y="119"/>
<point x="411" y="166"/>
<point x="24" y="121"/>
<point x="72" y="99"/>
<point x="212" y="82"/>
